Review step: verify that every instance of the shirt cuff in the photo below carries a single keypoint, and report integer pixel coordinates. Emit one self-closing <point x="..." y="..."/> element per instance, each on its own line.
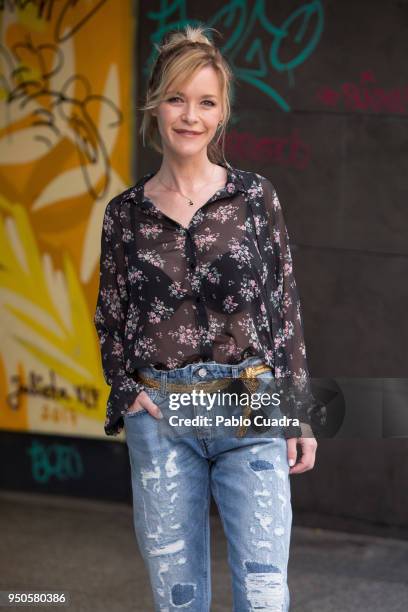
<point x="124" y="390"/>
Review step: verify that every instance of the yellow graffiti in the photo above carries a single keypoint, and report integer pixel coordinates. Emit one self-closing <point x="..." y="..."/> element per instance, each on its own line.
<point x="65" y="148"/>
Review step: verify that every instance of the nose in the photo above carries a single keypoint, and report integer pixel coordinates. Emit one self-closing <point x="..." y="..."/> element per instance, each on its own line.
<point x="190" y="115"/>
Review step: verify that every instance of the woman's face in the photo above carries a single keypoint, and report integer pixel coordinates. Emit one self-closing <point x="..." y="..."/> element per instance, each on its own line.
<point x="195" y="107"/>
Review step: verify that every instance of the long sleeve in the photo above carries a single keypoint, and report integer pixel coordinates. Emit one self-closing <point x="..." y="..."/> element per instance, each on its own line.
<point x="110" y="319"/>
<point x="291" y="370"/>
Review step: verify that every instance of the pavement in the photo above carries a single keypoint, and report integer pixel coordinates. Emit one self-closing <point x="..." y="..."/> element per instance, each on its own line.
<point x="88" y="548"/>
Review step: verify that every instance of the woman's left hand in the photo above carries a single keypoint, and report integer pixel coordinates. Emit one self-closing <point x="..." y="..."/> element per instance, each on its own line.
<point x="308" y="444"/>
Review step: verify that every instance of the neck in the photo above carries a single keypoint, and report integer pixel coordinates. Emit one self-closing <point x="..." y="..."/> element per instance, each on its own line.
<point x="187" y="174"/>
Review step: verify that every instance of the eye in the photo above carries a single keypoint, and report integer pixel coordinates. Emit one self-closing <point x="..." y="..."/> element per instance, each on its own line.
<point x="174" y="98"/>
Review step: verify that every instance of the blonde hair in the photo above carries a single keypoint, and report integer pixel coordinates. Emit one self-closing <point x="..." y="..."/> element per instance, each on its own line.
<point x="182" y="53"/>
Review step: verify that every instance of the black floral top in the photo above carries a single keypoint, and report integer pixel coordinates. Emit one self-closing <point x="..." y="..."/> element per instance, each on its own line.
<point x="221" y="289"/>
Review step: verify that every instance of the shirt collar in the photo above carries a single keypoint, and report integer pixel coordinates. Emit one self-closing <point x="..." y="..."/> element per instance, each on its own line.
<point x="233" y="185"/>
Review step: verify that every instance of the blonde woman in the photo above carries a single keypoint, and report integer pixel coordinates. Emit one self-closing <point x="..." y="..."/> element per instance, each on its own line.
<point x="196" y="290"/>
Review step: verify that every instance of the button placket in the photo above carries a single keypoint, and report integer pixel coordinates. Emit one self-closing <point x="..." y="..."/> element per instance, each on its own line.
<point x="201" y="314"/>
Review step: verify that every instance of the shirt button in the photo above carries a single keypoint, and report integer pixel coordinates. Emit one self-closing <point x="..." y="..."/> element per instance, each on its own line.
<point x="192" y="265"/>
<point x="202" y="372"/>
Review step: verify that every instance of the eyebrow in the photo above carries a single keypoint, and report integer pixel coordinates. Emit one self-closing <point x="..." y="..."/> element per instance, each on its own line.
<point x="180" y="93"/>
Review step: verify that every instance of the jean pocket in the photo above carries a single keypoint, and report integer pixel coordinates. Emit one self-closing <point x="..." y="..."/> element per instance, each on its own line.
<point x="266" y="380"/>
<point x="153" y="393"/>
<point x="135" y="413"/>
<point x="267" y="387"/>
<point x="267" y="375"/>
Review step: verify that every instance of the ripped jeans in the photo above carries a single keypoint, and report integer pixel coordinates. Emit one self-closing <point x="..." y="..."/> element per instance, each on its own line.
<point x="172" y="480"/>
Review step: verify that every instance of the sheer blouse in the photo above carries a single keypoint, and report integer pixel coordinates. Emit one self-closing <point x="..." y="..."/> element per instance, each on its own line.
<point x="221" y="289"/>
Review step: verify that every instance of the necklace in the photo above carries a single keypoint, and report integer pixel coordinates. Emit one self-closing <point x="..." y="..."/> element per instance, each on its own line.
<point x="190" y="201"/>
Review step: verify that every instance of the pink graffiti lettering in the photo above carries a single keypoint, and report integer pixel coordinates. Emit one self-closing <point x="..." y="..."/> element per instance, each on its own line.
<point x="280" y="150"/>
<point x="365" y="96"/>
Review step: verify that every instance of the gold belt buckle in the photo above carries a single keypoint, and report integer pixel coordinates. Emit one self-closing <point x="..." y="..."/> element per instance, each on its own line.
<point x="252" y="385"/>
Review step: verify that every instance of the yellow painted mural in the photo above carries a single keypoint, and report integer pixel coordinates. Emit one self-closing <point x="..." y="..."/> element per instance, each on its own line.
<point x="66" y="127"/>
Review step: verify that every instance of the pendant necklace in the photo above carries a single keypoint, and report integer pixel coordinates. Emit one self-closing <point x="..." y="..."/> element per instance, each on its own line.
<point x="189" y="200"/>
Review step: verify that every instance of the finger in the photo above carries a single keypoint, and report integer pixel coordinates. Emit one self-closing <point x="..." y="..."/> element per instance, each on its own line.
<point x="151" y="407"/>
<point x="305" y="463"/>
<point x="291" y="450"/>
<point x="143" y="401"/>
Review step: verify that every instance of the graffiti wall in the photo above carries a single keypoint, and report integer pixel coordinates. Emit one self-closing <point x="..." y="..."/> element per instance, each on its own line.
<point x="65" y="150"/>
<point x="320" y="103"/>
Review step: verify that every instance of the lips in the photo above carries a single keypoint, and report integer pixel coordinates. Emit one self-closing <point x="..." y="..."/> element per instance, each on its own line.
<point x="188" y="133"/>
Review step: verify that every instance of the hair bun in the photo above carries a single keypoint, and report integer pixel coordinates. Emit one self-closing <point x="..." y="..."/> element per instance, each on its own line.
<point x="189" y="36"/>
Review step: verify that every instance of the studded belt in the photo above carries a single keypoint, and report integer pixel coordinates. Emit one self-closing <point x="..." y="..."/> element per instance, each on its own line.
<point x="247" y="375"/>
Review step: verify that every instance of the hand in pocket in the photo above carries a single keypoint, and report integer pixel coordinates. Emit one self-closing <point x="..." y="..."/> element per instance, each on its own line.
<point x="143" y="400"/>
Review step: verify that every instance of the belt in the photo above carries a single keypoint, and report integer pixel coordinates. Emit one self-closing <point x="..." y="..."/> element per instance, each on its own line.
<point x="248" y="376"/>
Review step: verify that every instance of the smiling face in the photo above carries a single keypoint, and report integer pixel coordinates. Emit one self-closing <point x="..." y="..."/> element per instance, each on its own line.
<point x="189" y="114"/>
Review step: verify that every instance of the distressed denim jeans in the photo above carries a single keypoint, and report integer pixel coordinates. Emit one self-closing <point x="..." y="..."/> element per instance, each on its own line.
<point x="172" y="481"/>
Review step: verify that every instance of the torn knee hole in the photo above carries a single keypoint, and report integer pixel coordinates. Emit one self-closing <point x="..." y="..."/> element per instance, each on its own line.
<point x="182" y="594"/>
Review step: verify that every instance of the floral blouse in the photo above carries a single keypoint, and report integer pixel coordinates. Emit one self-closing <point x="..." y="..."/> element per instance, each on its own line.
<point x="221" y="289"/>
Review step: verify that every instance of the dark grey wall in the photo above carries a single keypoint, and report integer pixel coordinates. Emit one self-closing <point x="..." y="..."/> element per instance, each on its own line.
<point x="331" y="134"/>
<point x="321" y="109"/>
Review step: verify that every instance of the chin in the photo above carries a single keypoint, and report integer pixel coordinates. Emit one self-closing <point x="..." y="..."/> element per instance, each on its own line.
<point x="188" y="148"/>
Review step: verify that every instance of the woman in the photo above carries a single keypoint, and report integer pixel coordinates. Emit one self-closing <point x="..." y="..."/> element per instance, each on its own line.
<point x="197" y="290"/>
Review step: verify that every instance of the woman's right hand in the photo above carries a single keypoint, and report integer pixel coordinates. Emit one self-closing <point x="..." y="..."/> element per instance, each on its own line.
<point x="143" y="400"/>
